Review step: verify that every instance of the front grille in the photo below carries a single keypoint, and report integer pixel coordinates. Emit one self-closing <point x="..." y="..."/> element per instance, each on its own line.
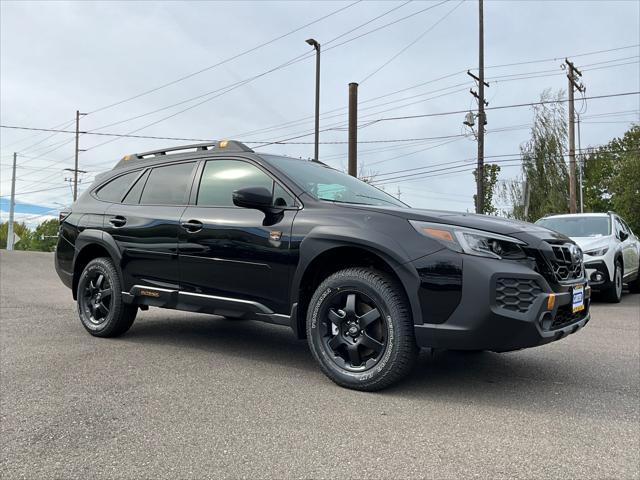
<point x="565" y="316"/>
<point x="565" y="267"/>
<point x="556" y="262"/>
<point x="516" y="294"/>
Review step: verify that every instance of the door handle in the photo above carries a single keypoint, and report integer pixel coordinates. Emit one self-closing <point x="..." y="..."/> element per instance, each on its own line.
<point x="118" y="221"/>
<point x="192" y="226"/>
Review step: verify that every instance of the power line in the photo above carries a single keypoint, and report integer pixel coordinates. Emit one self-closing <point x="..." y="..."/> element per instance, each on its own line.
<point x="209" y="67"/>
<point x="226" y="89"/>
<point x="516" y="105"/>
<point x="555" y="59"/>
<point x="451" y="166"/>
<point x="416" y="40"/>
<point x="37" y="191"/>
<point x="227" y="60"/>
<point x="286" y="141"/>
<point x="107" y="134"/>
<point x="283" y="125"/>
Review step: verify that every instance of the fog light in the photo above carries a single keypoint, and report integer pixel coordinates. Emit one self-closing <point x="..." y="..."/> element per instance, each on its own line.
<point x="597" y="276"/>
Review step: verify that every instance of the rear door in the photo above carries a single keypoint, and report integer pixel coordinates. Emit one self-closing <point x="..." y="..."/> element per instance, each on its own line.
<point x="632" y="258"/>
<point x="629" y="251"/>
<point x="228" y="251"/>
<point x="145" y="225"/>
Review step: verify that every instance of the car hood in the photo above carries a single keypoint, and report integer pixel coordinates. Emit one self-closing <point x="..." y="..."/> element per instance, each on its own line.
<point x="488" y="223"/>
<point x="591" y="243"/>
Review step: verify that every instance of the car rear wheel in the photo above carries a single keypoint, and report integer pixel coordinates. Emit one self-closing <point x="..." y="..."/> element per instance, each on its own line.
<point x="100" y="306"/>
<point x="614" y="293"/>
<point x="360" y="330"/>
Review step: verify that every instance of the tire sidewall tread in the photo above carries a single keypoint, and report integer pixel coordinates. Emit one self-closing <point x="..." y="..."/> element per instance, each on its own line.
<point x="401" y="350"/>
<point x="121" y="316"/>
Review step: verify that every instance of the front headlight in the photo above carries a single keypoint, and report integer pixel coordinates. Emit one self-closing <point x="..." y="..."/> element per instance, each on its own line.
<point x="598" y="252"/>
<point x="471" y="241"/>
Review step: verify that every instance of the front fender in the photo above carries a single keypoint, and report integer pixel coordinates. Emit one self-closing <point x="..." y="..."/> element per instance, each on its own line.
<point x="325" y="238"/>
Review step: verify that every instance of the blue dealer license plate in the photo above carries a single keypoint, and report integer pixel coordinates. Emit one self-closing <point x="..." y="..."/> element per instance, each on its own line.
<point x="578" y="298"/>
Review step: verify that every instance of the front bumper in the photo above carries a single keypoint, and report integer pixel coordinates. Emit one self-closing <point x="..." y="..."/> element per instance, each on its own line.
<point x="483" y="320"/>
<point x="598" y="274"/>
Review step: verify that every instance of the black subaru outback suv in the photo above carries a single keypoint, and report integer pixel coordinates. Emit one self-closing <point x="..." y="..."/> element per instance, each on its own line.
<point x="218" y="228"/>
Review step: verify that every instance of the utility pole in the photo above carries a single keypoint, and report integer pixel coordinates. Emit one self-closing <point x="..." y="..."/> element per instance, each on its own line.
<point x="572" y="74"/>
<point x="75" y="168"/>
<point x="353" y="129"/>
<point x="580" y="168"/>
<point x="316" y="46"/>
<point x="482" y="119"/>
<point x="527" y="199"/>
<point x="12" y="205"/>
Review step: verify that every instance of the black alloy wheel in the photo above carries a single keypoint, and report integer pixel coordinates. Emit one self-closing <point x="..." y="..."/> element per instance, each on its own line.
<point x="101" y="308"/>
<point x="96" y="298"/>
<point x="354" y="331"/>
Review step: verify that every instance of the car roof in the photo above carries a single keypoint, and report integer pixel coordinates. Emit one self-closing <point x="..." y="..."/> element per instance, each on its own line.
<point x="577" y="215"/>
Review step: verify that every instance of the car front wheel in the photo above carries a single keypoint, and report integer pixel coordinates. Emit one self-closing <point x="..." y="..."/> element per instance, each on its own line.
<point x="360" y="330"/>
<point x="614" y="293"/>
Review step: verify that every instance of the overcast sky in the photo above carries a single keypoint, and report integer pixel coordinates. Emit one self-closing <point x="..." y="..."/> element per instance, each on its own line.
<point x="57" y="57"/>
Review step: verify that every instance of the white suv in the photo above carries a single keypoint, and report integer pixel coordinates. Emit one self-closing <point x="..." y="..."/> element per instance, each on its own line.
<point x="611" y="250"/>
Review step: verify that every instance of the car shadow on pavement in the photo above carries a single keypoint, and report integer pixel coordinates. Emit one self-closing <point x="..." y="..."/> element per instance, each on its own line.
<point x="242" y="339"/>
<point x="526" y="379"/>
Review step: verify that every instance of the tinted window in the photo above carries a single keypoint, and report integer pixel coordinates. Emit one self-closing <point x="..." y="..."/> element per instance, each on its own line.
<point x="578" y="226"/>
<point x="281" y="198"/>
<point x="626" y="225"/>
<point x="133" y="197"/>
<point x="115" y="189"/>
<point x="168" y="185"/>
<point x="221" y="177"/>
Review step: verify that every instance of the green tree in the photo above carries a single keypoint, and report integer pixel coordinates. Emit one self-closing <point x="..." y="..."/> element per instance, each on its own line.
<point x="491" y="172"/>
<point x="544" y="184"/>
<point x="611" y="179"/>
<point x="45" y="236"/>
<point x="21" y="230"/>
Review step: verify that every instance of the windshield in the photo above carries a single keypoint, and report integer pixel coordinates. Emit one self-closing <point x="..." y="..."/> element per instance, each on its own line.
<point x="578" y="226"/>
<point x="326" y="183"/>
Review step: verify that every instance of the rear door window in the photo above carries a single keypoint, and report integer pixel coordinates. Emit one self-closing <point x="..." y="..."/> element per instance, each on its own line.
<point x="168" y="185"/>
<point x="116" y="188"/>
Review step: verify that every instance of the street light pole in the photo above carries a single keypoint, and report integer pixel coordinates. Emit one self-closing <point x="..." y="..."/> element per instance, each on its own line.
<point x="316" y="46"/>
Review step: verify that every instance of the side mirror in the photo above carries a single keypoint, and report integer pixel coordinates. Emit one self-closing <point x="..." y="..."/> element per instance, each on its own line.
<point x="623" y="236"/>
<point x="258" y="198"/>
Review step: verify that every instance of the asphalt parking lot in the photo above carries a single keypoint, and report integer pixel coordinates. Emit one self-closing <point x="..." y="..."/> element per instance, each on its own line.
<point x="193" y="396"/>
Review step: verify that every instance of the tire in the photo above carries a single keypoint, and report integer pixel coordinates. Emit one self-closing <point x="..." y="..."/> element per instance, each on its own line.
<point x="634" y="287"/>
<point x="100" y="306"/>
<point x="614" y="293"/>
<point x="360" y="329"/>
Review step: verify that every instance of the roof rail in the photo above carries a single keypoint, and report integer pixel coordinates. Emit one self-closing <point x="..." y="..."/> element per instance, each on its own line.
<point x="226" y="145"/>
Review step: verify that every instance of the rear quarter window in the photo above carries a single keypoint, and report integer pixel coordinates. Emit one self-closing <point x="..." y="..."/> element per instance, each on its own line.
<point x="116" y="188"/>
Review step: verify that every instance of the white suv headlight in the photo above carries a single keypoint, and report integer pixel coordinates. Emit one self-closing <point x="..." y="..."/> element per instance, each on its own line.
<point x="471" y="241"/>
<point x="598" y="252"/>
